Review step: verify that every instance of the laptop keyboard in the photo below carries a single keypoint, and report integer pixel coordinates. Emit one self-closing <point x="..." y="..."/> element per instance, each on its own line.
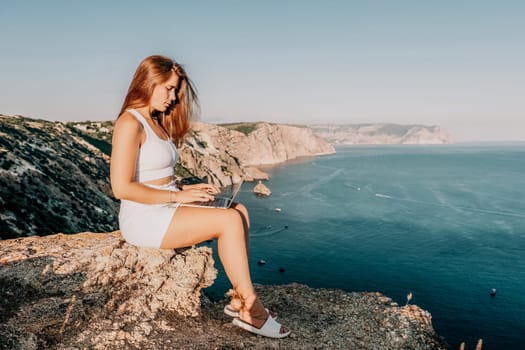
<point x="217" y="202"/>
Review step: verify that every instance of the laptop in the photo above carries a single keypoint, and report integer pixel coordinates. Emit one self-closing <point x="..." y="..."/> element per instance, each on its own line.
<point x="221" y="202"/>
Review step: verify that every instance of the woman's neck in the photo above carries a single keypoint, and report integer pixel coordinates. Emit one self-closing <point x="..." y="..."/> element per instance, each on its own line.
<point x="149" y="113"/>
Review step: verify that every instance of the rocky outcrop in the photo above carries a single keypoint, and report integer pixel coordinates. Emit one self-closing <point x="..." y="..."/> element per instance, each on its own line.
<point x="93" y="286"/>
<point x="262" y="190"/>
<point x="204" y="157"/>
<point x="94" y="291"/>
<point x="252" y="172"/>
<point x="381" y="134"/>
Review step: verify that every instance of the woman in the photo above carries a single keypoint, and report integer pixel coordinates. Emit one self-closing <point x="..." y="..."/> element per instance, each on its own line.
<point x="153" y="119"/>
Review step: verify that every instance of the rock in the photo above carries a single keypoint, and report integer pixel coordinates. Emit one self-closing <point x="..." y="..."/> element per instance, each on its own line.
<point x="261" y="190"/>
<point x="252" y="173"/>
<point x="334" y="319"/>
<point x="91" y="285"/>
<point x="203" y="160"/>
<point x="94" y="291"/>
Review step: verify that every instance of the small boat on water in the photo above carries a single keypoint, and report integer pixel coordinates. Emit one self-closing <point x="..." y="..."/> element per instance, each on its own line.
<point x="278" y="209"/>
<point x="492" y="292"/>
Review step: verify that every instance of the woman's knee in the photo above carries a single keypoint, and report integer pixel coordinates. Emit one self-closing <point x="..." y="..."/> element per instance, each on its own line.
<point x="240" y="207"/>
<point x="243" y="211"/>
<point x="231" y="221"/>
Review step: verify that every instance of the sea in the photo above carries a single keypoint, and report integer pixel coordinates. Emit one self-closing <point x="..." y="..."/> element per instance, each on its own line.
<point x="443" y="222"/>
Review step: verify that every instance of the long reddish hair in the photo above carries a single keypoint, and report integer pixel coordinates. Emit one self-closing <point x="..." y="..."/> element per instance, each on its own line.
<point x="155" y="70"/>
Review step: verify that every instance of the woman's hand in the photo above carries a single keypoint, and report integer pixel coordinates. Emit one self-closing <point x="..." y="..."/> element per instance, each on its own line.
<point x="210" y="189"/>
<point x="192" y="195"/>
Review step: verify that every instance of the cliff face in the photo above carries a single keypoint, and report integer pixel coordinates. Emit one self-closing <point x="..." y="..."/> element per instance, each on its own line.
<point x="223" y="153"/>
<point x="95" y="291"/>
<point x="381" y="134"/>
<point x="273" y="143"/>
<point x="52" y="179"/>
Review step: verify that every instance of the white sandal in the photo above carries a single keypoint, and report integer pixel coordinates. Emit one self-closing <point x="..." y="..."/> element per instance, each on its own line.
<point x="270" y="328"/>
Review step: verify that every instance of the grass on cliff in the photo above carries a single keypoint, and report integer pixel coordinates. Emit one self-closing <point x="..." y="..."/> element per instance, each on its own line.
<point x="245" y="128"/>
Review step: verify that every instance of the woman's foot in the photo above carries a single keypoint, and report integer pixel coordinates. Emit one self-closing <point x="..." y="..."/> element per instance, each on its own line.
<point x="254" y="314"/>
<point x="232" y="309"/>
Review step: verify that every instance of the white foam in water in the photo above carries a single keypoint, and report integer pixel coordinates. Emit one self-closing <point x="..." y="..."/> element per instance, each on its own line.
<point x="440" y="197"/>
<point x="310" y="187"/>
<point x="485" y="211"/>
<point x="353" y="186"/>
<point x="266" y="231"/>
<point x="308" y="190"/>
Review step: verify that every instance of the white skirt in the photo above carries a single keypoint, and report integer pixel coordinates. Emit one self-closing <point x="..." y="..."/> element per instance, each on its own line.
<point x="145" y="225"/>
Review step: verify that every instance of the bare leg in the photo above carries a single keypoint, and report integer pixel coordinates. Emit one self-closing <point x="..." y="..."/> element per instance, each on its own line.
<point x="190" y="226"/>
<point x="236" y="302"/>
<point x="246" y="222"/>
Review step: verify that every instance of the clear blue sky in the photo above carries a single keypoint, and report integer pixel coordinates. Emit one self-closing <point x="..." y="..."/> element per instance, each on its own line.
<point x="458" y="64"/>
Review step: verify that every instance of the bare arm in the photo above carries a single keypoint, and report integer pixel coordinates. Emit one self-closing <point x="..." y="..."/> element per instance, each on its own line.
<point x="127" y="138"/>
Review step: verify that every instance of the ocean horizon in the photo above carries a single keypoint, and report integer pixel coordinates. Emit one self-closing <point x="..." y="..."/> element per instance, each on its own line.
<point x="443" y="222"/>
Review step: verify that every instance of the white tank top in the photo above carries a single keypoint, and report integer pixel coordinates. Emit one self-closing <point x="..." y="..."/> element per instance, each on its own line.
<point x="157" y="157"/>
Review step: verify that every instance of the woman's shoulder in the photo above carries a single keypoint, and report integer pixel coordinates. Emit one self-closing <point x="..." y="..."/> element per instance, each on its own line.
<point x="128" y="122"/>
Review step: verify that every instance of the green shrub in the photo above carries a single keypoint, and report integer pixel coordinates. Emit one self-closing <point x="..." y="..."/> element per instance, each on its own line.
<point x="245" y="128"/>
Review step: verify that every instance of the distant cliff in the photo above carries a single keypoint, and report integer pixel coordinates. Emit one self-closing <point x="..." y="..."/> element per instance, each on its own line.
<point x="373" y="134"/>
